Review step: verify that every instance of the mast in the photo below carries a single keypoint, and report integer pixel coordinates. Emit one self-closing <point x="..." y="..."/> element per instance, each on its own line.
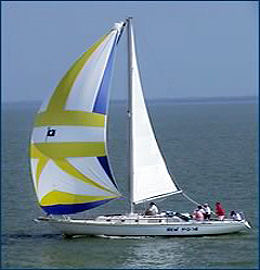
<point x="130" y="136"/>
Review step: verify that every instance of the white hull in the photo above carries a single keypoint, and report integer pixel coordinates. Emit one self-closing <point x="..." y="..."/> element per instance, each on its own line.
<point x="140" y="226"/>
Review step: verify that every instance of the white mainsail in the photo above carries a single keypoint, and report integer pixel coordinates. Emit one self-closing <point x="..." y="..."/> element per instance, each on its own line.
<point x="150" y="176"/>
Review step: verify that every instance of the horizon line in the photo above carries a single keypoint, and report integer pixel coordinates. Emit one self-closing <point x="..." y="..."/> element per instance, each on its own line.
<point x="158" y="99"/>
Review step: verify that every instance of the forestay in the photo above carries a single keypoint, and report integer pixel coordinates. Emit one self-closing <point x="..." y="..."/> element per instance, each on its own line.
<point x="69" y="162"/>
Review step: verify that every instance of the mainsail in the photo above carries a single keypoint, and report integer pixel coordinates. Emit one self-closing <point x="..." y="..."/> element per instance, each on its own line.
<point x="150" y="176"/>
<point x="69" y="162"/>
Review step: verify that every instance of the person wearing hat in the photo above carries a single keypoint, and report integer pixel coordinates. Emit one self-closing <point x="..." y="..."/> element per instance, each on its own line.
<point x="207" y="211"/>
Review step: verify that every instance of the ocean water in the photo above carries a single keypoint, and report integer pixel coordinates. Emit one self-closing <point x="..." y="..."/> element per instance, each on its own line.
<point x="211" y="149"/>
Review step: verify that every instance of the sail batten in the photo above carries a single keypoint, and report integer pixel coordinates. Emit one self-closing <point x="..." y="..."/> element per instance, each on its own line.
<point x="69" y="159"/>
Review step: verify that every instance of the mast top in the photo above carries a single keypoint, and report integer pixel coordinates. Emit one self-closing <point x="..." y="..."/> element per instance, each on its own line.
<point x="129" y="18"/>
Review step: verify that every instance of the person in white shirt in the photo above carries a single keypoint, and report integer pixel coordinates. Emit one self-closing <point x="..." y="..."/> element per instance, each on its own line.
<point x="152" y="210"/>
<point x="207" y="211"/>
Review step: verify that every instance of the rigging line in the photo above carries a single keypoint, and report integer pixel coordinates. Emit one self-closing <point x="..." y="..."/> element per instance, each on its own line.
<point x="157" y="64"/>
<point x="191" y="200"/>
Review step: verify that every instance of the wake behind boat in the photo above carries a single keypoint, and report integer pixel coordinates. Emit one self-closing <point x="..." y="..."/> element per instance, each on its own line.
<point x="69" y="158"/>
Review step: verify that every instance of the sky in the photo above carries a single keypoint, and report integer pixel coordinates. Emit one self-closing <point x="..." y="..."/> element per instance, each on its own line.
<point x="185" y="48"/>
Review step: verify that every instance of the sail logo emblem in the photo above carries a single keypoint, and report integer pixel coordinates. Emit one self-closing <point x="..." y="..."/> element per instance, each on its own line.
<point x="51" y="132"/>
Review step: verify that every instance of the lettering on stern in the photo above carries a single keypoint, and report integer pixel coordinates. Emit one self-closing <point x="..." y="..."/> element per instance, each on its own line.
<point x="182" y="229"/>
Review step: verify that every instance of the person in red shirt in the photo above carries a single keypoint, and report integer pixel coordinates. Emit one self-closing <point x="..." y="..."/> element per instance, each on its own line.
<point x="220" y="211"/>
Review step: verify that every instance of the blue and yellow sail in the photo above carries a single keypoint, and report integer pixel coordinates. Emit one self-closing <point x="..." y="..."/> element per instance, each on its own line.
<point x="69" y="162"/>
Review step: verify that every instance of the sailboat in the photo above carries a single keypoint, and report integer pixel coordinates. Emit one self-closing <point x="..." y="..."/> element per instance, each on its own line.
<point x="70" y="164"/>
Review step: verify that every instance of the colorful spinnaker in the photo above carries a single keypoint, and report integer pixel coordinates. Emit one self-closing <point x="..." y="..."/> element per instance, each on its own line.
<point x="69" y="161"/>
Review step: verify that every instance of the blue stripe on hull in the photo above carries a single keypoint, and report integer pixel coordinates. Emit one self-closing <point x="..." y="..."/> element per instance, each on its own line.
<point x="63" y="209"/>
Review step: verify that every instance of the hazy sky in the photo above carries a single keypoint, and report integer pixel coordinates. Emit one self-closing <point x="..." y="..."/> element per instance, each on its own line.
<point x="185" y="48"/>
